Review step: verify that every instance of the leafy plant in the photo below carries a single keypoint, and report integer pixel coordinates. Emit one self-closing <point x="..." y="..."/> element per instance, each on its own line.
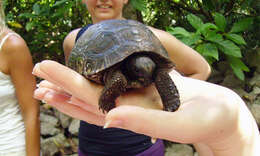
<point x="139" y="4"/>
<point x="211" y="40"/>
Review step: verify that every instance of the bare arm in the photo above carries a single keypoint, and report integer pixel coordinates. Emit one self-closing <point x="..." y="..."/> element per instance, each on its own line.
<point x="187" y="60"/>
<point x="69" y="42"/>
<point x="20" y="68"/>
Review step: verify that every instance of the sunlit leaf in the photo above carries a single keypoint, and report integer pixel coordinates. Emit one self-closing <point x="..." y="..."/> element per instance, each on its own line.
<point x="61" y="2"/>
<point x="178" y="31"/>
<point x="195" y="21"/>
<point x="229" y="48"/>
<point x="213" y="36"/>
<point x="139" y="4"/>
<point x="14" y="24"/>
<point x="220" y="21"/>
<point x="238" y="39"/>
<point x="238" y="67"/>
<point x="209" y="50"/>
<point x="36" y="8"/>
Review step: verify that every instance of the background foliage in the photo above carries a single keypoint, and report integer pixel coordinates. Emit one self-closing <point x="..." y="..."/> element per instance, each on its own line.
<point x="223" y="30"/>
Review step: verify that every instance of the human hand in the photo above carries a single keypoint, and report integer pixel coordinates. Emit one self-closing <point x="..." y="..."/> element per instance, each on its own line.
<point x="76" y="96"/>
<point x="207" y="113"/>
<point x="203" y="105"/>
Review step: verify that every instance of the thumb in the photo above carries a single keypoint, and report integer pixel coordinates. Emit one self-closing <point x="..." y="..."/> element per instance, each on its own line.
<point x="154" y="123"/>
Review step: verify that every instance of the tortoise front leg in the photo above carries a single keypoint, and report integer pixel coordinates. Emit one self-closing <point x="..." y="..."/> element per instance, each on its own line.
<point x="115" y="84"/>
<point x="167" y="90"/>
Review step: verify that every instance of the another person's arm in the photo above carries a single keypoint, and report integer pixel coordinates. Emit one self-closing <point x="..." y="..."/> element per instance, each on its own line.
<point x="20" y="68"/>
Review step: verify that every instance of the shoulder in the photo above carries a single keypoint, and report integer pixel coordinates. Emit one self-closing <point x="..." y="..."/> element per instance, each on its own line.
<point x="71" y="36"/>
<point x="16" y="52"/>
<point x="163" y="36"/>
<point x="15" y="45"/>
<point x="69" y="42"/>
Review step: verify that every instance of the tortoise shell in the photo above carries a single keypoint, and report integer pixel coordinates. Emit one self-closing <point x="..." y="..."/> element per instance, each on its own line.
<point x="109" y="42"/>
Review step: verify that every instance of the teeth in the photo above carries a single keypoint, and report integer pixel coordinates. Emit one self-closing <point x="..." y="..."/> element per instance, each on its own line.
<point x="104" y="6"/>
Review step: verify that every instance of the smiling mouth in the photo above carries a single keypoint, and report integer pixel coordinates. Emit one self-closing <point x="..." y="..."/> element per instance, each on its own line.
<point x="104" y="6"/>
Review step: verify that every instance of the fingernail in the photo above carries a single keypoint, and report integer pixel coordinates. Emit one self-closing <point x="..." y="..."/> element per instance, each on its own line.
<point x="36" y="66"/>
<point x="113" y="123"/>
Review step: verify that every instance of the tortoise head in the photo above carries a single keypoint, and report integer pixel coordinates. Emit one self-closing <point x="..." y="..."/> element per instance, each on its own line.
<point x="141" y="68"/>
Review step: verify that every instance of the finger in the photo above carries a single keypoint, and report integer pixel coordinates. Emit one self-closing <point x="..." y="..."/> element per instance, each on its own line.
<point x="61" y="103"/>
<point x="47" y="84"/>
<point x="91" y="108"/>
<point x="69" y="80"/>
<point x="175" y="126"/>
<point x="41" y="93"/>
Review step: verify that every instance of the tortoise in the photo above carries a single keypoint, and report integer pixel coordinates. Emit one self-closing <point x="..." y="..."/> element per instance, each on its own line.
<point x="123" y="55"/>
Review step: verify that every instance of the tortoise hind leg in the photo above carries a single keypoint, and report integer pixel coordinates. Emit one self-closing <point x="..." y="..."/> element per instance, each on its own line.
<point x="115" y="85"/>
<point x="167" y="90"/>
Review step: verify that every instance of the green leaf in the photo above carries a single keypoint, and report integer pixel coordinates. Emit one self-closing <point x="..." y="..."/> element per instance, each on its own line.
<point x="29" y="26"/>
<point x="178" y="31"/>
<point x="205" y="28"/>
<point x="208" y="50"/>
<point x="190" y="41"/>
<point x="238" y="39"/>
<point x="139" y="4"/>
<point x="36" y="9"/>
<point x="61" y="2"/>
<point x="213" y="36"/>
<point x="236" y="62"/>
<point x="220" y="21"/>
<point x="237" y="66"/>
<point x="242" y="25"/>
<point x="27" y="15"/>
<point x="238" y="72"/>
<point x="195" y="21"/>
<point x="229" y="48"/>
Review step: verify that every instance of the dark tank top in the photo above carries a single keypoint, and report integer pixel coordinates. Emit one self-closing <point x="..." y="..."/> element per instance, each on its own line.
<point x="97" y="141"/>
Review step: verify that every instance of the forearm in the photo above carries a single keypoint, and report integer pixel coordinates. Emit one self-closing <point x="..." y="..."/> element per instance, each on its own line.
<point x="32" y="136"/>
<point x="200" y="76"/>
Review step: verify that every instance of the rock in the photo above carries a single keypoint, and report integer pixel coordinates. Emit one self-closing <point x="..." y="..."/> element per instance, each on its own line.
<point x="255" y="109"/>
<point x="52" y="146"/>
<point x="48" y="119"/>
<point x="64" y="119"/>
<point x="255" y="81"/>
<point x="179" y="150"/>
<point x="231" y="81"/>
<point x="256" y="90"/>
<point x="74" y="127"/>
<point x="49" y="129"/>
<point x="215" y="77"/>
<point x="223" y="67"/>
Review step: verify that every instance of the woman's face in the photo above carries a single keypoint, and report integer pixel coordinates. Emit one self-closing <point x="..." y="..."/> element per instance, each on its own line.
<point x="105" y="9"/>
